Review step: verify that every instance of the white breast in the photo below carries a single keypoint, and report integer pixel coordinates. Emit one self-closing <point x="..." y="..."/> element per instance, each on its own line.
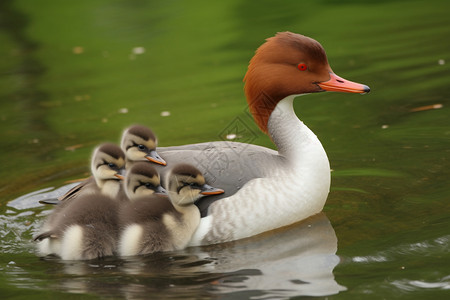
<point x="130" y="240"/>
<point x="111" y="188"/>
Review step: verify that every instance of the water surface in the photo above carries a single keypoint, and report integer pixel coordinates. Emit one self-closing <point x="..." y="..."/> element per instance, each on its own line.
<point x="75" y="74"/>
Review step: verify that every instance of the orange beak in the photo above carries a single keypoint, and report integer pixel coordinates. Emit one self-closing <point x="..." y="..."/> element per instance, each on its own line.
<point x="210" y="190"/>
<point x="339" y="84"/>
<point x="216" y="192"/>
<point x="155" y="158"/>
<point x="119" y="176"/>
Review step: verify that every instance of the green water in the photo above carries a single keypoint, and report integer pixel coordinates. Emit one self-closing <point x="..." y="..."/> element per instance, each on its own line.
<point x="75" y="73"/>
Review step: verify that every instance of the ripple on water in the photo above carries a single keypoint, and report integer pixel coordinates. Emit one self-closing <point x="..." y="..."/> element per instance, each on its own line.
<point x="414" y="285"/>
<point x="23" y="217"/>
<point x="427" y="247"/>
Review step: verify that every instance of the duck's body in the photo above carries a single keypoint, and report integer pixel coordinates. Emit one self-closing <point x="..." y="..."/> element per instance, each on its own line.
<point x="267" y="189"/>
<point x="229" y="165"/>
<point x="155" y="222"/>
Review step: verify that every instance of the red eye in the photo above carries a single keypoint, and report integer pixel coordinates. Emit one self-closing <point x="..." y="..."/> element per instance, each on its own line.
<point x="302" y="67"/>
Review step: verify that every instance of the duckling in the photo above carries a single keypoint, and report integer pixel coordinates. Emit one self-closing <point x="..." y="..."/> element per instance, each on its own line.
<point x="157" y="222"/>
<point x="107" y="166"/>
<point x="139" y="144"/>
<point x="83" y="229"/>
<point x="107" y="162"/>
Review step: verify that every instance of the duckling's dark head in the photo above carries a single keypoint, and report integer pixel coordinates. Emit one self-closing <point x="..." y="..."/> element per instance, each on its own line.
<point x="139" y="144"/>
<point x="186" y="184"/>
<point x="108" y="162"/>
<point x="143" y="180"/>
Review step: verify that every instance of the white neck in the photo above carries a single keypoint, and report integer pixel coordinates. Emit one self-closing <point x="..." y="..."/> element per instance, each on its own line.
<point x="307" y="164"/>
<point x="307" y="169"/>
<point x="110" y="187"/>
<point x="182" y="232"/>
<point x="295" y="140"/>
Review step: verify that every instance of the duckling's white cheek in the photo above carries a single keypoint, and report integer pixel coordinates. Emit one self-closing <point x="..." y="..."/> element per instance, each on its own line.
<point x="111" y="174"/>
<point x="190" y="196"/>
<point x="72" y="243"/>
<point x="145" y="192"/>
<point x="135" y="155"/>
<point x="130" y="240"/>
<point x="182" y="196"/>
<point x="105" y="172"/>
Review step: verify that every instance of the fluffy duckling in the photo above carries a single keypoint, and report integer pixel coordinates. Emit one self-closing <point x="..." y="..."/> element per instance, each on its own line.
<point x="107" y="167"/>
<point x="157" y="222"/>
<point x="139" y="144"/>
<point x="107" y="162"/>
<point x="83" y="229"/>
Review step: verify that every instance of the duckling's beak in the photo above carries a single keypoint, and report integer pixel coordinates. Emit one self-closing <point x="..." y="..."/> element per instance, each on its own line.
<point x="160" y="190"/>
<point x="154" y="157"/>
<point x="120" y="174"/>
<point x="210" y="190"/>
<point x="339" y="84"/>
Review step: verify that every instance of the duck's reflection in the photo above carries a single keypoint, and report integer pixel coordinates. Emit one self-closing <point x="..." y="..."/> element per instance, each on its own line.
<point x="293" y="261"/>
<point x="298" y="259"/>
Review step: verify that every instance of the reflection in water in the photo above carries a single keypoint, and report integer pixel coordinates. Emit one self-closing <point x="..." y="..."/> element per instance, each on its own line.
<point x="293" y="261"/>
<point x="297" y="260"/>
<point x="300" y="258"/>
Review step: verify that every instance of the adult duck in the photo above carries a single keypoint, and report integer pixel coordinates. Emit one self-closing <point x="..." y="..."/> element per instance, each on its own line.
<point x="267" y="189"/>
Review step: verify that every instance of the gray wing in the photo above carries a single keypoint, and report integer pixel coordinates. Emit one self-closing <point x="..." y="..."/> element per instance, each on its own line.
<point x="225" y="165"/>
<point x="86" y="186"/>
